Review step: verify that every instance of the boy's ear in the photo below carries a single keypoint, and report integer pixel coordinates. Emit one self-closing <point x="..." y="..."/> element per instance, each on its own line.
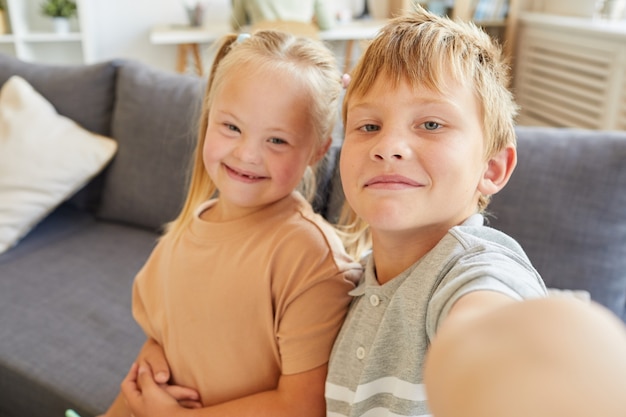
<point x="321" y="152"/>
<point x="498" y="172"/>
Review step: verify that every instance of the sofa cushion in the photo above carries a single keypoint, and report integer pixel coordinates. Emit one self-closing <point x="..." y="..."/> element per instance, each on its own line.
<point x="154" y="122"/>
<point x="68" y="336"/>
<point x="84" y="93"/>
<point x="42" y="163"/>
<point x="569" y="188"/>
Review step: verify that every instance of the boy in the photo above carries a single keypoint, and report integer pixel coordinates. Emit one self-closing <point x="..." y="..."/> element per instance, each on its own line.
<point x="428" y="139"/>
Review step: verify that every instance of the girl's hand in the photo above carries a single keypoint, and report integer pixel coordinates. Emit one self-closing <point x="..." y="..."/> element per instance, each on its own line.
<point x="145" y="397"/>
<point x="152" y="354"/>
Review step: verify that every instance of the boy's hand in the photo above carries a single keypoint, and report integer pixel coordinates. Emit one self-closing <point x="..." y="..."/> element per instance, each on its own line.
<point x="152" y="354"/>
<point x="144" y="397"/>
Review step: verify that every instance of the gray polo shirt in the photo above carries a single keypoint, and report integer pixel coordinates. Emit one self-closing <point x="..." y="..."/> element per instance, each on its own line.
<point x="376" y="363"/>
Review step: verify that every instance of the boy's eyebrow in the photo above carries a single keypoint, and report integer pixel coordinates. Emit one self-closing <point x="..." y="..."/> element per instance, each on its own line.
<point x="430" y="101"/>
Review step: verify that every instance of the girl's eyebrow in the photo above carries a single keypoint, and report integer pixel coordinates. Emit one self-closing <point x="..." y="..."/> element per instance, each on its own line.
<point x="231" y="117"/>
<point x="272" y="130"/>
<point x="224" y="113"/>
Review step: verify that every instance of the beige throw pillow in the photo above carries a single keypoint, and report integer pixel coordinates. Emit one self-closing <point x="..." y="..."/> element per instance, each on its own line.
<point x="44" y="159"/>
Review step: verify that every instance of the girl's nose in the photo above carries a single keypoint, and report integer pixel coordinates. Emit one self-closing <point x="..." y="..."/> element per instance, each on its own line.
<point x="248" y="150"/>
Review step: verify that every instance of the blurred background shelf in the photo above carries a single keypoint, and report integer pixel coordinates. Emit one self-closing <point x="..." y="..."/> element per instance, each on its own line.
<point x="31" y="35"/>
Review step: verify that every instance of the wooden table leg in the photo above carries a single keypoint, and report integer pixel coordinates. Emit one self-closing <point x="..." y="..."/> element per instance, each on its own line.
<point x="181" y="58"/>
<point x="348" y="60"/>
<point x="184" y="49"/>
<point x="195" y="50"/>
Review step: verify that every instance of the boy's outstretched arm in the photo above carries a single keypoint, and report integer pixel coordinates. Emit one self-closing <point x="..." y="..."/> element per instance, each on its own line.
<point x="542" y="358"/>
<point x="296" y="395"/>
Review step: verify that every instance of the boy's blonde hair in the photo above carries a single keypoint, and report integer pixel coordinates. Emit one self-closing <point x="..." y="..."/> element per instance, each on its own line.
<point x="306" y="60"/>
<point x="427" y="50"/>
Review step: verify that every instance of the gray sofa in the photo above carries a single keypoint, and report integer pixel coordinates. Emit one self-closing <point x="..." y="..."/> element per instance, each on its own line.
<point x="67" y="336"/>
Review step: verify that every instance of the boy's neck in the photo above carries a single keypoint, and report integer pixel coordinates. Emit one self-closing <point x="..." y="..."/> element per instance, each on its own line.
<point x="392" y="256"/>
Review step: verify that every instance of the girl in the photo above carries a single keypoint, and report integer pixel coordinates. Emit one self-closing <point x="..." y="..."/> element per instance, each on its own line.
<point x="248" y="288"/>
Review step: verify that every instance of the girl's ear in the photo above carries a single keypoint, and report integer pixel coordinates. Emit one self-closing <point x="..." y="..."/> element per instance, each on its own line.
<point x="498" y="172"/>
<point x="321" y="152"/>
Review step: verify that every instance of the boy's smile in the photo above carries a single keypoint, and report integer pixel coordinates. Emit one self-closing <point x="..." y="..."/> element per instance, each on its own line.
<point x="391" y="182"/>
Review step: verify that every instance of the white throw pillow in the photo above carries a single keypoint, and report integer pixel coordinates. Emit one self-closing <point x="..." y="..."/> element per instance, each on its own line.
<point x="44" y="159"/>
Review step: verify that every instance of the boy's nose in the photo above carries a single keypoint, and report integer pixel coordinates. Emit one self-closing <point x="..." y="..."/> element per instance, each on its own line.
<point x="391" y="146"/>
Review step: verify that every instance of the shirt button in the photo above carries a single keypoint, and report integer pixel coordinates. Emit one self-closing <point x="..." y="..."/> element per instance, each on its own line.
<point x="360" y="352"/>
<point x="374" y="300"/>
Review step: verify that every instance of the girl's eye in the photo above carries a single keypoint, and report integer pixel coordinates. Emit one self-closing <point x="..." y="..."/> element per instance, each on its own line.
<point x="370" y="128"/>
<point x="431" y="125"/>
<point x="232" y="127"/>
<point x="277" y="141"/>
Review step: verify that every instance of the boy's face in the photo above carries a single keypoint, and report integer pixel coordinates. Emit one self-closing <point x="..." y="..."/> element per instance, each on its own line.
<point x="413" y="159"/>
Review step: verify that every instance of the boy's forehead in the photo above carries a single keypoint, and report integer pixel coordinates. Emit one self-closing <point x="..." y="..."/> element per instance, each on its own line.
<point x="444" y="86"/>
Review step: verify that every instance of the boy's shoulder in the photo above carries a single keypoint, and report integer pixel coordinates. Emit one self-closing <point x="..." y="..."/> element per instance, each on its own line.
<point x="474" y="233"/>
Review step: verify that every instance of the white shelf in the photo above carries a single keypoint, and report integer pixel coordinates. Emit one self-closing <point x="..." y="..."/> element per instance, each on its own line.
<point x="7" y="38"/>
<point x="32" y="37"/>
<point x="53" y="37"/>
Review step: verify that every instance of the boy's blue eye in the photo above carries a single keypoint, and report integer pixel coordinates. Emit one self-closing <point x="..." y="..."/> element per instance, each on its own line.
<point x="431" y="125"/>
<point x="370" y="128"/>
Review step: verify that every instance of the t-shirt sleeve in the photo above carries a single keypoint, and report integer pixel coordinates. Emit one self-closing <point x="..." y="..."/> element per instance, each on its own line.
<point x="487" y="271"/>
<point x="144" y="295"/>
<point x="312" y="303"/>
<point x="310" y="324"/>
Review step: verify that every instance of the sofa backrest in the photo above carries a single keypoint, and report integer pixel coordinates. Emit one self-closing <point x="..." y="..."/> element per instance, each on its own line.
<point x="155" y="125"/>
<point x="566" y="205"/>
<point x="84" y="93"/>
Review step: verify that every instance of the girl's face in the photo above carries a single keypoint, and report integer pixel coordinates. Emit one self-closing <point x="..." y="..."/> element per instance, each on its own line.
<point x="259" y="140"/>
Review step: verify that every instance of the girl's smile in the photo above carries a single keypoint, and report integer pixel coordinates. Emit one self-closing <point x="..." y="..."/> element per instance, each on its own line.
<point x="239" y="175"/>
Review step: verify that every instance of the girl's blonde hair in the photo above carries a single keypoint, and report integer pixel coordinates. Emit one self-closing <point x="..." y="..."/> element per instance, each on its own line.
<point x="306" y="60"/>
<point x="427" y="50"/>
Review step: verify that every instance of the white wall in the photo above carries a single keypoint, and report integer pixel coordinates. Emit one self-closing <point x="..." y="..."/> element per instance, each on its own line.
<point x="122" y="27"/>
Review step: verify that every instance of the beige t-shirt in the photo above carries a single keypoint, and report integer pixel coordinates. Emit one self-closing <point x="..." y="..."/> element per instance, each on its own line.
<point x="236" y="304"/>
